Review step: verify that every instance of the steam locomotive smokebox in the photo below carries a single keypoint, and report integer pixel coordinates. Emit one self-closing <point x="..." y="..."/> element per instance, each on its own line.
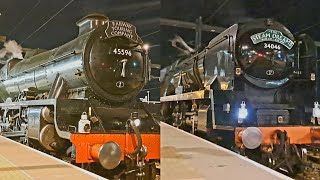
<point x="90" y="22"/>
<point x="272" y="117"/>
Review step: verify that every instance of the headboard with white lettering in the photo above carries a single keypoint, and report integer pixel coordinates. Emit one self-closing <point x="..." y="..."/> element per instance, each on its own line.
<point x="120" y="28"/>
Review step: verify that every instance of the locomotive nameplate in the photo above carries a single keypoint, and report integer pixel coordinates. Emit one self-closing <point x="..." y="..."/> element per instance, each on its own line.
<point x="274" y="36"/>
<point x="120" y="28"/>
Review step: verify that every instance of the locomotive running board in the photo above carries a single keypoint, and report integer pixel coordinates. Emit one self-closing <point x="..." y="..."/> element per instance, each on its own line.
<point x="13" y="134"/>
<point x="202" y="94"/>
<point x="16" y="105"/>
<point x="43" y="102"/>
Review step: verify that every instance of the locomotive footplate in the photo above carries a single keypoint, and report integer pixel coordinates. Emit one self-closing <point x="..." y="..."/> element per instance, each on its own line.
<point x="202" y="94"/>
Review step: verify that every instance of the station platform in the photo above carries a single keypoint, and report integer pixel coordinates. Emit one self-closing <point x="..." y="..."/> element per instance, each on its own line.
<point x="20" y="162"/>
<point x="188" y="157"/>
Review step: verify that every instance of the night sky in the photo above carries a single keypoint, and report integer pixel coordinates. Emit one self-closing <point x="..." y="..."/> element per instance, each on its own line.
<point x="33" y="13"/>
<point x="299" y="16"/>
<point x="20" y="18"/>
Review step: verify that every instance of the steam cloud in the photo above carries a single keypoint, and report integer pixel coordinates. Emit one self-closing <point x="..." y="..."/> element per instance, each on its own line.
<point x="11" y="48"/>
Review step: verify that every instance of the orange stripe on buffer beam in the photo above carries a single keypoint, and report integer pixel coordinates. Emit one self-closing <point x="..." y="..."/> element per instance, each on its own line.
<point x="88" y="146"/>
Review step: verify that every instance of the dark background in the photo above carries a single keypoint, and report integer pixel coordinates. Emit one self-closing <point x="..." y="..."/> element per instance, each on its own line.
<point x="299" y="16"/>
<point x="20" y="18"/>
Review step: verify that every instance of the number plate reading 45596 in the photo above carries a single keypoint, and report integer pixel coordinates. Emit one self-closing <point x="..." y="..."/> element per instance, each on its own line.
<point x="272" y="46"/>
<point x="124" y="52"/>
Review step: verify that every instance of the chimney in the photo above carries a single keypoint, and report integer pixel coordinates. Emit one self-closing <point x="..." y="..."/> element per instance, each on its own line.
<point x="90" y="22"/>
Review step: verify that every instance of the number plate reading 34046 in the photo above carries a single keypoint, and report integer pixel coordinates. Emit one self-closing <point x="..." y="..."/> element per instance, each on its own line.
<point x="272" y="46"/>
<point x="124" y="52"/>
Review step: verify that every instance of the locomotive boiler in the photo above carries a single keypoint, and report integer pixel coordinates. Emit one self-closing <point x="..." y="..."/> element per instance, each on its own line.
<point x="253" y="89"/>
<point x="77" y="101"/>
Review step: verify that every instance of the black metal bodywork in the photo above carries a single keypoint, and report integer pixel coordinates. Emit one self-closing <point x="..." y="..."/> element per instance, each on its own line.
<point x="100" y="72"/>
<point x="237" y="70"/>
<point x="251" y="76"/>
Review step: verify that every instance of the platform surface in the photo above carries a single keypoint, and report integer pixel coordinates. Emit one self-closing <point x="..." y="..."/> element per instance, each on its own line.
<point x="185" y="156"/>
<point x="19" y="162"/>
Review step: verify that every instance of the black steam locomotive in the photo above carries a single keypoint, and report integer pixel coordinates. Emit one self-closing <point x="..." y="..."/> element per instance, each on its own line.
<point x="77" y="101"/>
<point x="253" y="89"/>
